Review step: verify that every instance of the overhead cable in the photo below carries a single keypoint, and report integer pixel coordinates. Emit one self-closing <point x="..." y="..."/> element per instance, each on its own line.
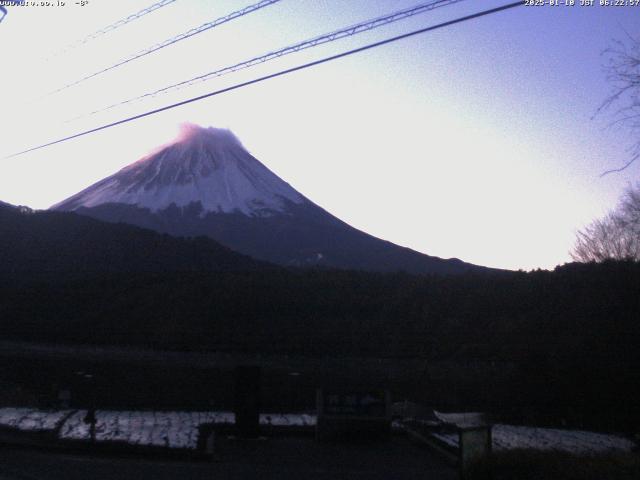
<point x="273" y="75"/>
<point x="313" y="42"/>
<point x="118" y="24"/>
<point x="175" y="39"/>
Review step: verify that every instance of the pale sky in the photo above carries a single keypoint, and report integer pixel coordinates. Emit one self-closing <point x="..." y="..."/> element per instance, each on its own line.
<point x="475" y="141"/>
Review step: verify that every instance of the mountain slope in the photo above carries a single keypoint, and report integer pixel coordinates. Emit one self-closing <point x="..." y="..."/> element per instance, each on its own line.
<point x="36" y="244"/>
<point x="207" y="165"/>
<point x="206" y="183"/>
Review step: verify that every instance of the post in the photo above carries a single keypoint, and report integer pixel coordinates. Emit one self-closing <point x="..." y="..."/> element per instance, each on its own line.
<point x="475" y="452"/>
<point x="247" y="401"/>
<point x="209" y="448"/>
<point x="91" y="418"/>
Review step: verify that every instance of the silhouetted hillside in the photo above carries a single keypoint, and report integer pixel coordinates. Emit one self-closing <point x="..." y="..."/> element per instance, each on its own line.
<point x="57" y="245"/>
<point x="567" y="339"/>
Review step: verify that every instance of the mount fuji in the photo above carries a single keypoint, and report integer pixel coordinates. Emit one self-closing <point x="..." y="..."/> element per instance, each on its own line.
<point x="206" y="183"/>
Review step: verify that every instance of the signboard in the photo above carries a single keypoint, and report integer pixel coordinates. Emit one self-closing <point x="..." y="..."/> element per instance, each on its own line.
<point x="355" y="414"/>
<point x="361" y="404"/>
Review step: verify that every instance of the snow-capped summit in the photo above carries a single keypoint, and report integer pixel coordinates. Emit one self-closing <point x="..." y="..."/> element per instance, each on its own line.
<point x="205" y="165"/>
<point x="206" y="183"/>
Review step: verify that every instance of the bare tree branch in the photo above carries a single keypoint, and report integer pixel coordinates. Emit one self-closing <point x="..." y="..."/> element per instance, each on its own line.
<point x="622" y="70"/>
<point x="616" y="236"/>
<point x="620" y="169"/>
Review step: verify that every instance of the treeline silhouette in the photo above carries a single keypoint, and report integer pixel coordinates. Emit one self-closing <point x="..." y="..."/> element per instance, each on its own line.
<point x="571" y="334"/>
<point x="58" y="246"/>
<point x="577" y="310"/>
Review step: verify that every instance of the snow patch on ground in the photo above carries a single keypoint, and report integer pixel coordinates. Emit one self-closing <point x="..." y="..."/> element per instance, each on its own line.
<point x="29" y="419"/>
<point x="509" y="437"/>
<point x="163" y="429"/>
<point x="148" y="428"/>
<point x="287" y="420"/>
<point x="160" y="429"/>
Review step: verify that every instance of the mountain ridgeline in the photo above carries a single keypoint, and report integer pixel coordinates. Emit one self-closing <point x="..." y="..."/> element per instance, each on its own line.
<point x="206" y="183"/>
<point x="59" y="245"/>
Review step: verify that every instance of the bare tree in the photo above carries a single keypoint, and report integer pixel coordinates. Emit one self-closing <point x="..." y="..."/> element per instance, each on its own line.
<point x="616" y="236"/>
<point x="623" y="72"/>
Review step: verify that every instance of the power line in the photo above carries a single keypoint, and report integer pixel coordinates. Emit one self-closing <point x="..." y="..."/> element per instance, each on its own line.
<point x="118" y="24"/>
<point x="276" y="74"/>
<point x="170" y="41"/>
<point x="313" y="42"/>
